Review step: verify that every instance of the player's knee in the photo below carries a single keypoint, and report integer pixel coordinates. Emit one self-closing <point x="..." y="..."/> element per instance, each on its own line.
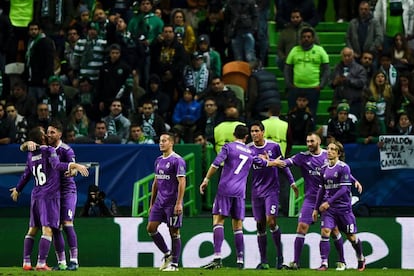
<point x="326" y="232"/>
<point x="302" y="228"/>
<point x="261" y="227"/>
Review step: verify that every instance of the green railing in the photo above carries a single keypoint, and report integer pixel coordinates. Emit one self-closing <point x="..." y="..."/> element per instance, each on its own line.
<point x="296" y="203"/>
<point x="142" y="191"/>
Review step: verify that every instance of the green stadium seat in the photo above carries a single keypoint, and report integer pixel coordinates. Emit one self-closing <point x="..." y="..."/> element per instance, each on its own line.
<point x="331" y="38"/>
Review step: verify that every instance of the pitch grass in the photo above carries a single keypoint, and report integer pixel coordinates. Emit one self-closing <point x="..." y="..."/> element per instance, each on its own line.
<point x="149" y="271"/>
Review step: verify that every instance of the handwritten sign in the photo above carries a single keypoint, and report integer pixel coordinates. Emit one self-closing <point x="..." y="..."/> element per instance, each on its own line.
<point x="397" y="152"/>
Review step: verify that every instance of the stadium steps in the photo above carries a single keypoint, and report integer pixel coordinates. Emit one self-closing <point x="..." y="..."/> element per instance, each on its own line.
<point x="332" y="38"/>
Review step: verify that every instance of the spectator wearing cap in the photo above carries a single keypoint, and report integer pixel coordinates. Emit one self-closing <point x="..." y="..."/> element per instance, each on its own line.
<point x="341" y="128"/>
<point x="197" y="74"/>
<point x="186" y="114"/>
<point x="369" y="128"/>
<point x="211" y="57"/>
<point x="112" y="79"/>
<point x="39" y="60"/>
<point x="55" y="99"/>
<point x="89" y="54"/>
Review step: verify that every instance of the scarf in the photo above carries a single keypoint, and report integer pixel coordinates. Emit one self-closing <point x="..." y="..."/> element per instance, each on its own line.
<point x="60" y="107"/>
<point x="196" y="78"/>
<point x="147" y="127"/>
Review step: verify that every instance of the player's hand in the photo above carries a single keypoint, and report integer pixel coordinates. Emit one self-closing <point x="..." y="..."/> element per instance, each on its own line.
<point x="178" y="209"/>
<point x="358" y="186"/>
<point x="82" y="169"/>
<point x="324" y="206"/>
<point x="14" y="194"/>
<point x="315" y="215"/>
<point x="295" y="189"/>
<point x="278" y="162"/>
<point x="203" y="186"/>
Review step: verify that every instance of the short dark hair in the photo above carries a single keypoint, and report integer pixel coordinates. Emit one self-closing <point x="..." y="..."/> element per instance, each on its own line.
<point x="241" y="131"/>
<point x="36" y="135"/>
<point x="57" y="124"/>
<point x="259" y="124"/>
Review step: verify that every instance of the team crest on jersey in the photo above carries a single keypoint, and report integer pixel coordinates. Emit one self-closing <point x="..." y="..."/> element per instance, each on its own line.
<point x="119" y="71"/>
<point x="168" y="165"/>
<point x="181" y="168"/>
<point x="336" y="174"/>
<point x="308" y="163"/>
<point x="269" y="152"/>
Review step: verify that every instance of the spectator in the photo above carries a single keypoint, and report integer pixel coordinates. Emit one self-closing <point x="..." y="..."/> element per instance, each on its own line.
<point x="213" y="26"/>
<point x="186" y="114"/>
<point x="40" y="55"/>
<point x="69" y="136"/>
<point x="69" y="49"/>
<point x="388" y="69"/>
<point x="289" y="37"/>
<point x="168" y="59"/>
<point x="183" y="31"/>
<point x="380" y="91"/>
<point x="117" y="123"/>
<point x="367" y="61"/>
<point x="132" y="49"/>
<point x="197" y="74"/>
<point x="302" y="75"/>
<point x="79" y="122"/>
<point x="86" y="97"/>
<point x="390" y="18"/>
<point x="209" y="119"/>
<point x="7" y="35"/>
<point x="223" y="132"/>
<point x="20" y="123"/>
<point x="112" y="78"/>
<point x="89" y="54"/>
<point x="24" y="102"/>
<point x="341" y="128"/>
<point x="262" y="92"/>
<point x="404" y="125"/>
<point x="106" y="29"/>
<point x="300" y="121"/>
<point x="55" y="99"/>
<point x="55" y="16"/>
<point x="137" y="136"/>
<point x="402" y="55"/>
<point x="285" y="8"/>
<point x="155" y="94"/>
<point x="42" y="117"/>
<point x="211" y="56"/>
<point x="263" y="9"/>
<point x="206" y="147"/>
<point x="222" y="95"/>
<point x="152" y="123"/>
<point x="349" y="79"/>
<point x="100" y="136"/>
<point x="145" y="27"/>
<point x="364" y="33"/>
<point x="369" y="128"/>
<point x="7" y="127"/>
<point x="241" y="22"/>
<point x="404" y="93"/>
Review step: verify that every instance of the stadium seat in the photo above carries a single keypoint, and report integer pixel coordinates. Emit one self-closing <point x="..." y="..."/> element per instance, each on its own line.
<point x="237" y="72"/>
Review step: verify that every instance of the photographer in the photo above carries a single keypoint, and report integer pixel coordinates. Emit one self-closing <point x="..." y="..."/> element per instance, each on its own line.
<point x="95" y="205"/>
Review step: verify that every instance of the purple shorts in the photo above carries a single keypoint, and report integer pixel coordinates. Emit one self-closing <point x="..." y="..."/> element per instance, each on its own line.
<point x="345" y="220"/>
<point x="229" y="206"/>
<point x="305" y="214"/>
<point x="265" y="206"/>
<point x="68" y="207"/>
<point x="45" y="212"/>
<point x="165" y="214"/>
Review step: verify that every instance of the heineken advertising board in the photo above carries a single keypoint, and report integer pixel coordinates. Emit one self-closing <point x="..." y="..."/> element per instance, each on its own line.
<point x="124" y="242"/>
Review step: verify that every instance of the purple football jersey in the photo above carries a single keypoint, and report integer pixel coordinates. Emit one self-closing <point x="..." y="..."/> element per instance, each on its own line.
<point x="238" y="159"/>
<point x="45" y="166"/>
<point x="66" y="154"/>
<point x="265" y="180"/>
<point x="310" y="166"/>
<point x="334" y="177"/>
<point x="167" y="169"/>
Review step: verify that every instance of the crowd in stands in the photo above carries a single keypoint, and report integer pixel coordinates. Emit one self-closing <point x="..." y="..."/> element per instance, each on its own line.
<point x="125" y="71"/>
